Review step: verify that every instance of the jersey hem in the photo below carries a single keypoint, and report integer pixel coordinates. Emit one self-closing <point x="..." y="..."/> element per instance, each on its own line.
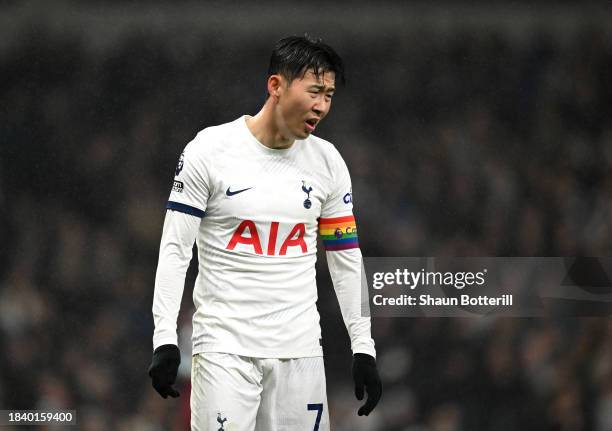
<point x="220" y="348"/>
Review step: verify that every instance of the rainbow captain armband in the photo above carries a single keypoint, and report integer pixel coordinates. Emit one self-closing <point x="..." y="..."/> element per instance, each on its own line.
<point x="338" y="233"/>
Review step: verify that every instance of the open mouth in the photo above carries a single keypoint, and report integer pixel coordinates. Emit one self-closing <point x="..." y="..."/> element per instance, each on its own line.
<point x="311" y="124"/>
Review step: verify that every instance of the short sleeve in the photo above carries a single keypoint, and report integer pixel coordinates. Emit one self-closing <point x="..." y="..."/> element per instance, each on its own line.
<point x="191" y="186"/>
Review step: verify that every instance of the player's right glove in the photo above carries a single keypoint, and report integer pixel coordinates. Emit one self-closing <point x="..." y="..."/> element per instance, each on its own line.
<point x="163" y="369"/>
<point x="365" y="374"/>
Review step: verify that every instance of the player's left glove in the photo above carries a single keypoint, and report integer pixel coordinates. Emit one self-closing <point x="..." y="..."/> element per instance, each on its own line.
<point x="365" y="374"/>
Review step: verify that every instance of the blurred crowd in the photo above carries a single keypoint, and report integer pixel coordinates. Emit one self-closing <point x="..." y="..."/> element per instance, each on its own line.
<point x="471" y="144"/>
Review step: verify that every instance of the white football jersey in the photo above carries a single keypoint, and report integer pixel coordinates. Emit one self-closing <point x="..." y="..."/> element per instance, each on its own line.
<point x="261" y="210"/>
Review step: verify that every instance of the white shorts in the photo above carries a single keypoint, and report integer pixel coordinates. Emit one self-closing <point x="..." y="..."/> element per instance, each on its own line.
<point x="238" y="393"/>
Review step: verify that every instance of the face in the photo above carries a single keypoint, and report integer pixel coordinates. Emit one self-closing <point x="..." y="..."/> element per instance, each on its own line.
<point x="303" y="103"/>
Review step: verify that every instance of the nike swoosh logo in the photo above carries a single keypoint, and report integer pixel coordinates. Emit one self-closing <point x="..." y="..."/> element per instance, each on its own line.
<point x="232" y="193"/>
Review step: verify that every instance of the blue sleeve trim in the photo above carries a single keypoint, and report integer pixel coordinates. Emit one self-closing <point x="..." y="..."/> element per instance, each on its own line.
<point x="176" y="206"/>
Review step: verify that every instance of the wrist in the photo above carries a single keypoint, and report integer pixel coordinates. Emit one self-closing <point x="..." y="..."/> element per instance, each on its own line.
<point x="166" y="348"/>
<point x="364" y="357"/>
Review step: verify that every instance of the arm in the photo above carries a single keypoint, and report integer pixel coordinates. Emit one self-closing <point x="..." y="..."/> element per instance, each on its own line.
<point x="178" y="236"/>
<point x="175" y="252"/>
<point x="186" y="207"/>
<point x="345" y="268"/>
<point x="338" y="230"/>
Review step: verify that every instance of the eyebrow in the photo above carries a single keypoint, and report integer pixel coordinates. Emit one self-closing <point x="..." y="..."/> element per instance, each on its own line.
<point x="319" y="87"/>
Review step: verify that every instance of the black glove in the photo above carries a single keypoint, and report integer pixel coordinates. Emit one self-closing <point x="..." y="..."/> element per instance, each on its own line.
<point x="365" y="374"/>
<point x="164" y="368"/>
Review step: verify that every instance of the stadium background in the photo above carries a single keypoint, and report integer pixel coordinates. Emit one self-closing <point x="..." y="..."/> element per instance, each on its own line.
<point x="469" y="129"/>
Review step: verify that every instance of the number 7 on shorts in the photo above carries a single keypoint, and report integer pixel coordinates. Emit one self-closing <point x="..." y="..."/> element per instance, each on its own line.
<point x="319" y="408"/>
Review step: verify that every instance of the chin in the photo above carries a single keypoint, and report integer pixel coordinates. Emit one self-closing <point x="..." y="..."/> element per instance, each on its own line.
<point x="301" y="134"/>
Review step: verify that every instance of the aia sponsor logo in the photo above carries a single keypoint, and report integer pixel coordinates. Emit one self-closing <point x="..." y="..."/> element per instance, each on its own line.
<point x="295" y="238"/>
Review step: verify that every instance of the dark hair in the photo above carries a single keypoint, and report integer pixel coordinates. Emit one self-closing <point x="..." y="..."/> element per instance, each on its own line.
<point x="293" y="56"/>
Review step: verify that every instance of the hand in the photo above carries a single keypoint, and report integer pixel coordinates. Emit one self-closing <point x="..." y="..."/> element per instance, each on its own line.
<point x="365" y="374"/>
<point x="164" y="368"/>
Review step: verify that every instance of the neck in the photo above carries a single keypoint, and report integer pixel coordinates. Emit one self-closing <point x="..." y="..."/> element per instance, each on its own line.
<point x="265" y="127"/>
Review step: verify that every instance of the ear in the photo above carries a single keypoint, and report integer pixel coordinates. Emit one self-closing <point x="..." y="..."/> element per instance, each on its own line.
<point x="275" y="86"/>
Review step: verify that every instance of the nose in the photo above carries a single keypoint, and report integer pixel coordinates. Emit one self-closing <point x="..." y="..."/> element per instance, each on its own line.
<point x="320" y="107"/>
